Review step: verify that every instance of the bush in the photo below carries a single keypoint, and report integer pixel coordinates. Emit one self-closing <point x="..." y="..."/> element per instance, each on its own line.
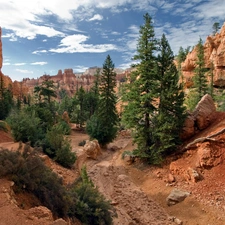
<point x="3" y="126"/>
<point x="25" y="126"/>
<point x="64" y="155"/>
<point x="97" y="129"/>
<point x="31" y="175"/>
<point x="66" y="129"/>
<point x="59" y="147"/>
<point x="89" y="206"/>
<point x="81" y="200"/>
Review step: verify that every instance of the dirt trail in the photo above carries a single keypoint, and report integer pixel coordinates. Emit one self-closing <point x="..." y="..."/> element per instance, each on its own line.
<point x="138" y="192"/>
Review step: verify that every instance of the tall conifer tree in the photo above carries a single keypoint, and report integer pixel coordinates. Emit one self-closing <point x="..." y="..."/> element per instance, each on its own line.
<point x="200" y="81"/>
<point x="170" y="115"/>
<point x="142" y="91"/>
<point x="103" y="124"/>
<point x="154" y="109"/>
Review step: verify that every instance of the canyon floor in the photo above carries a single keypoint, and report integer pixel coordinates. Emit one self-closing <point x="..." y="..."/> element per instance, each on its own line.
<point x="137" y="191"/>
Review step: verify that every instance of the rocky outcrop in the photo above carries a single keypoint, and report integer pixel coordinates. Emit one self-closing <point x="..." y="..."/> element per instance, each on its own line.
<point x="214" y="57"/>
<point x="209" y="155"/>
<point x="201" y="118"/>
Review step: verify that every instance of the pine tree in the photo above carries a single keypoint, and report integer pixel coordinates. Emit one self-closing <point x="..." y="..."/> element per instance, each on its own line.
<point x="170" y="116"/>
<point x="200" y="87"/>
<point x="103" y="124"/>
<point x="6" y="99"/>
<point x="142" y="92"/>
<point x="215" y="27"/>
<point x="200" y="81"/>
<point x="154" y="109"/>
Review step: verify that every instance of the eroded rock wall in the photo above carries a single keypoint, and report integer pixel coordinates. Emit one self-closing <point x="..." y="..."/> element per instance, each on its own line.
<point x="214" y="57"/>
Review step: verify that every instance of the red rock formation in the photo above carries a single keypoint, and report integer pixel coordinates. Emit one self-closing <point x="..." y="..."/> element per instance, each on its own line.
<point x="214" y="57"/>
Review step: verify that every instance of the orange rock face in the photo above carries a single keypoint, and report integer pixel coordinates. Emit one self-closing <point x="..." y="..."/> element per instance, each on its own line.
<point x="214" y="57"/>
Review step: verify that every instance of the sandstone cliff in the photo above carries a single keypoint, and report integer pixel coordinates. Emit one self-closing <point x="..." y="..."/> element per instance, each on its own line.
<point x="214" y="57"/>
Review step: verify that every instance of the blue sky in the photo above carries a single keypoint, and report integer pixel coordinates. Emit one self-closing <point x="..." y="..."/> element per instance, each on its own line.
<point x="42" y="36"/>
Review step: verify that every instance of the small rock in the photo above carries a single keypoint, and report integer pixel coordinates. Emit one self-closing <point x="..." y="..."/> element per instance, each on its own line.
<point x="193" y="174"/>
<point x="176" y="196"/>
<point x="178" y="221"/>
<point x="171" y="178"/>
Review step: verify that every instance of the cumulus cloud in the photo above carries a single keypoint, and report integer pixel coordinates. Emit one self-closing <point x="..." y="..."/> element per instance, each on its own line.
<point x="96" y="17"/>
<point x="76" y="43"/>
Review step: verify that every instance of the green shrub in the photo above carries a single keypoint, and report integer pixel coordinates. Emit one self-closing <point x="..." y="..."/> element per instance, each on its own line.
<point x="3" y="126"/>
<point x="66" y="129"/>
<point x="88" y="205"/>
<point x="31" y="175"/>
<point x="64" y="155"/>
<point x="81" y="200"/>
<point x="59" y="147"/>
<point x="25" y="126"/>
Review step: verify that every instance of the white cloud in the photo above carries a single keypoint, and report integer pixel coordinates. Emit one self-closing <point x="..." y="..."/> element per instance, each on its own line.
<point x="26" y="18"/>
<point x="38" y="52"/>
<point x="24" y="71"/>
<point x="11" y="36"/>
<point x="39" y="63"/>
<point x="6" y="63"/>
<point x="96" y="17"/>
<point x="76" y="43"/>
<point x="19" y="64"/>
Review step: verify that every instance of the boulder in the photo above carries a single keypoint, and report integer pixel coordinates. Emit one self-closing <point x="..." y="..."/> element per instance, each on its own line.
<point x="202" y="116"/>
<point x="92" y="149"/>
<point x="188" y="128"/>
<point x="204" y="112"/>
<point x="176" y="196"/>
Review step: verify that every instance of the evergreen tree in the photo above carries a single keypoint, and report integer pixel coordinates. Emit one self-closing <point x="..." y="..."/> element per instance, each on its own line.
<point x="200" y="87"/>
<point x="200" y="81"/>
<point x="6" y="99"/>
<point x="80" y="111"/>
<point x="216" y="27"/>
<point x="142" y="92"/>
<point x="154" y="109"/>
<point x="103" y="124"/>
<point x="170" y="116"/>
